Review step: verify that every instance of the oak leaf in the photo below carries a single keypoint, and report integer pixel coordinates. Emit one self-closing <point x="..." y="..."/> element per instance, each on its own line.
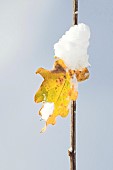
<point x="56" y="88"/>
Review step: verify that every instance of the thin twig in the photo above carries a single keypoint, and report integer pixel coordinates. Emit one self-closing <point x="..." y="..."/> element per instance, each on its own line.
<point x="75" y="12"/>
<point x="72" y="150"/>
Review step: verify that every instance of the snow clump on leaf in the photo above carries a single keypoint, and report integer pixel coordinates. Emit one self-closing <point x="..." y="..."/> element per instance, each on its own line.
<point x="47" y="110"/>
<point x="72" y="47"/>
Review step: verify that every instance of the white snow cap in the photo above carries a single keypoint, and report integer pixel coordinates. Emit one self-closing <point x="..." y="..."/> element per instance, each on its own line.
<point x="72" y="47"/>
<point x="47" y="110"/>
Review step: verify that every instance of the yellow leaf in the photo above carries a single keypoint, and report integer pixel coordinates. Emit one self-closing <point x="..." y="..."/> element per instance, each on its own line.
<point x="56" y="88"/>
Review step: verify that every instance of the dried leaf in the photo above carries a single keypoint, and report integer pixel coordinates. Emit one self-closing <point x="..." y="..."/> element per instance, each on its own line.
<point x="82" y="75"/>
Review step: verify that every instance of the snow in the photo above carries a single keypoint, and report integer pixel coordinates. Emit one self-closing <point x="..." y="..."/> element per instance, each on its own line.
<point x="70" y="149"/>
<point x="72" y="47"/>
<point x="47" y="110"/>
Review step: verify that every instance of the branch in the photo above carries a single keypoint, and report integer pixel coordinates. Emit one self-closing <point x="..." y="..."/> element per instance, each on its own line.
<point x="72" y="150"/>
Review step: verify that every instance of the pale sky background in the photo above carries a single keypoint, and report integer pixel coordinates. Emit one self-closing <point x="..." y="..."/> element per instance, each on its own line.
<point x="28" y="31"/>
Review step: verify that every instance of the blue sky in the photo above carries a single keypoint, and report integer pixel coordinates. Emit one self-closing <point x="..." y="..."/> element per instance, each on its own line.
<point x="28" y="31"/>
